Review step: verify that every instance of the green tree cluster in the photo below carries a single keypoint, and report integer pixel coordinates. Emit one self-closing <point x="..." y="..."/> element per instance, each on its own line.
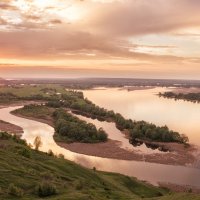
<point x="73" y="129"/>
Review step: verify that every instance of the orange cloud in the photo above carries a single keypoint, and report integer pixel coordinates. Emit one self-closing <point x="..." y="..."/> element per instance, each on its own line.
<point x="105" y="34"/>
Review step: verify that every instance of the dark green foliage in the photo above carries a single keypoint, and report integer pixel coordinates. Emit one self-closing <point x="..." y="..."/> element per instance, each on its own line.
<point x="50" y="153"/>
<point x="24" y="151"/>
<point x="146" y="131"/>
<point x="54" y="104"/>
<point x="72" y="128"/>
<point x="7" y="97"/>
<point x="6" y="136"/>
<point x="193" y="97"/>
<point x="46" y="189"/>
<point x="138" y="129"/>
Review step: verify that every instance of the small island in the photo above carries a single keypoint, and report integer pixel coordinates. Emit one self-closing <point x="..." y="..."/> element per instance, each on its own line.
<point x="189" y="96"/>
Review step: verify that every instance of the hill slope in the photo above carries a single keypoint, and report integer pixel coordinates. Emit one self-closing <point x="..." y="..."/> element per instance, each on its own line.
<point x="29" y="174"/>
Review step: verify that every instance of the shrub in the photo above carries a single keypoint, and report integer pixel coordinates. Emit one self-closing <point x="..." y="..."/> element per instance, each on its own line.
<point x="15" y="191"/>
<point x="61" y="156"/>
<point x="19" y="140"/>
<point x="50" y="153"/>
<point x="94" y="169"/>
<point x="46" y="189"/>
<point x="4" y="136"/>
<point x="24" y="152"/>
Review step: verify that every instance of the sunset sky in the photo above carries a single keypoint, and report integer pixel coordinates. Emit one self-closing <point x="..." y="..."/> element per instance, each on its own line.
<point x="100" y="38"/>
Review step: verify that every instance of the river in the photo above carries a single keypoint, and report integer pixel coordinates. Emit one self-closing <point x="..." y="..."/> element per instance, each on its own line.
<point x="180" y="115"/>
<point x="151" y="172"/>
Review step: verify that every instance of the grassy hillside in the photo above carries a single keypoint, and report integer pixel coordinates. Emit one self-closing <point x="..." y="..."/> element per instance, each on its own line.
<point x="30" y="174"/>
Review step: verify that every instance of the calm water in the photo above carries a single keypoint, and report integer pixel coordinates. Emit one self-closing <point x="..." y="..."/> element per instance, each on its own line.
<point x="115" y="134"/>
<point x="180" y="116"/>
<point x="151" y="172"/>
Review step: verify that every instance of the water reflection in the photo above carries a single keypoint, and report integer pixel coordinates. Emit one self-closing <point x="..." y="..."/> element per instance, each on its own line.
<point x="150" y="172"/>
<point x="181" y="116"/>
<point x="115" y="134"/>
<point x="150" y="145"/>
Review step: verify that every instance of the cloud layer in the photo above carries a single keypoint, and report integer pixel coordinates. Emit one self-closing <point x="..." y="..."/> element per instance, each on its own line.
<point x="156" y="34"/>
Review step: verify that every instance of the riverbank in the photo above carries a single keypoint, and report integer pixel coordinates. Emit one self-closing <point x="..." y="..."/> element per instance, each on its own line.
<point x="10" y="128"/>
<point x="111" y="149"/>
<point x="178" y="155"/>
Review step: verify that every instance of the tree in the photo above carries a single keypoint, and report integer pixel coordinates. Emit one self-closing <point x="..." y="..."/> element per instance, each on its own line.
<point x="37" y="143"/>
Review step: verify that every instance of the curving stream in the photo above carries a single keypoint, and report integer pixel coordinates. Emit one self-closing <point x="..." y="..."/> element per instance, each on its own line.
<point x="117" y="135"/>
<point x="153" y="173"/>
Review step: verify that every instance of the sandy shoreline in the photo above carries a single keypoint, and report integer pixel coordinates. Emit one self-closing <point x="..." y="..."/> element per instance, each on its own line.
<point x="10" y="128"/>
<point x="111" y="149"/>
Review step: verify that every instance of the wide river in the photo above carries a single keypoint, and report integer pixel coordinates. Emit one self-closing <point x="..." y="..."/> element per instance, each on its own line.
<point x="150" y="172"/>
<point x="181" y="116"/>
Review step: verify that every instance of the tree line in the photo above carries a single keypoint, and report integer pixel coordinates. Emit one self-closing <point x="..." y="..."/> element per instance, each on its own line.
<point x="193" y="97"/>
<point x="69" y="128"/>
<point x="137" y="129"/>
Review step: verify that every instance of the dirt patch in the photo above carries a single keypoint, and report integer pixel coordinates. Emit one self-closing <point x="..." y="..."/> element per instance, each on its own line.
<point x="10" y="128"/>
<point x="111" y="149"/>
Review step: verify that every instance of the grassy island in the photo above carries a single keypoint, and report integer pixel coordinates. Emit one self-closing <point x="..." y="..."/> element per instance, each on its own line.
<point x="193" y="97"/>
<point x="57" y="97"/>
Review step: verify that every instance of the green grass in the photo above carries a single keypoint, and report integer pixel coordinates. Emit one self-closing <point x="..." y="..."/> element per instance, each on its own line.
<point x="73" y="182"/>
<point x="35" y="111"/>
<point x="45" y="90"/>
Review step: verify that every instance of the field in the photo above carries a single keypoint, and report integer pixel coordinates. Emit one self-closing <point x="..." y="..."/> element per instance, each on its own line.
<point x="45" y="90"/>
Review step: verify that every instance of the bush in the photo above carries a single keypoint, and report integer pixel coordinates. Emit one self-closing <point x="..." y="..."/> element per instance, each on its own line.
<point x="4" y="136"/>
<point x="46" y="189"/>
<point x="50" y="153"/>
<point x="15" y="191"/>
<point x="61" y="156"/>
<point x="69" y="127"/>
<point x="25" y="152"/>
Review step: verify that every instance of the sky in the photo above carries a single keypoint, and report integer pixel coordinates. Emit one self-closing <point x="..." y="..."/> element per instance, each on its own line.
<point x="100" y="38"/>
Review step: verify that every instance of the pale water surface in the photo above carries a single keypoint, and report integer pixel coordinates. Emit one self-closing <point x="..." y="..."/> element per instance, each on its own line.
<point x="181" y="116"/>
<point x="150" y="172"/>
<point x="115" y="134"/>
